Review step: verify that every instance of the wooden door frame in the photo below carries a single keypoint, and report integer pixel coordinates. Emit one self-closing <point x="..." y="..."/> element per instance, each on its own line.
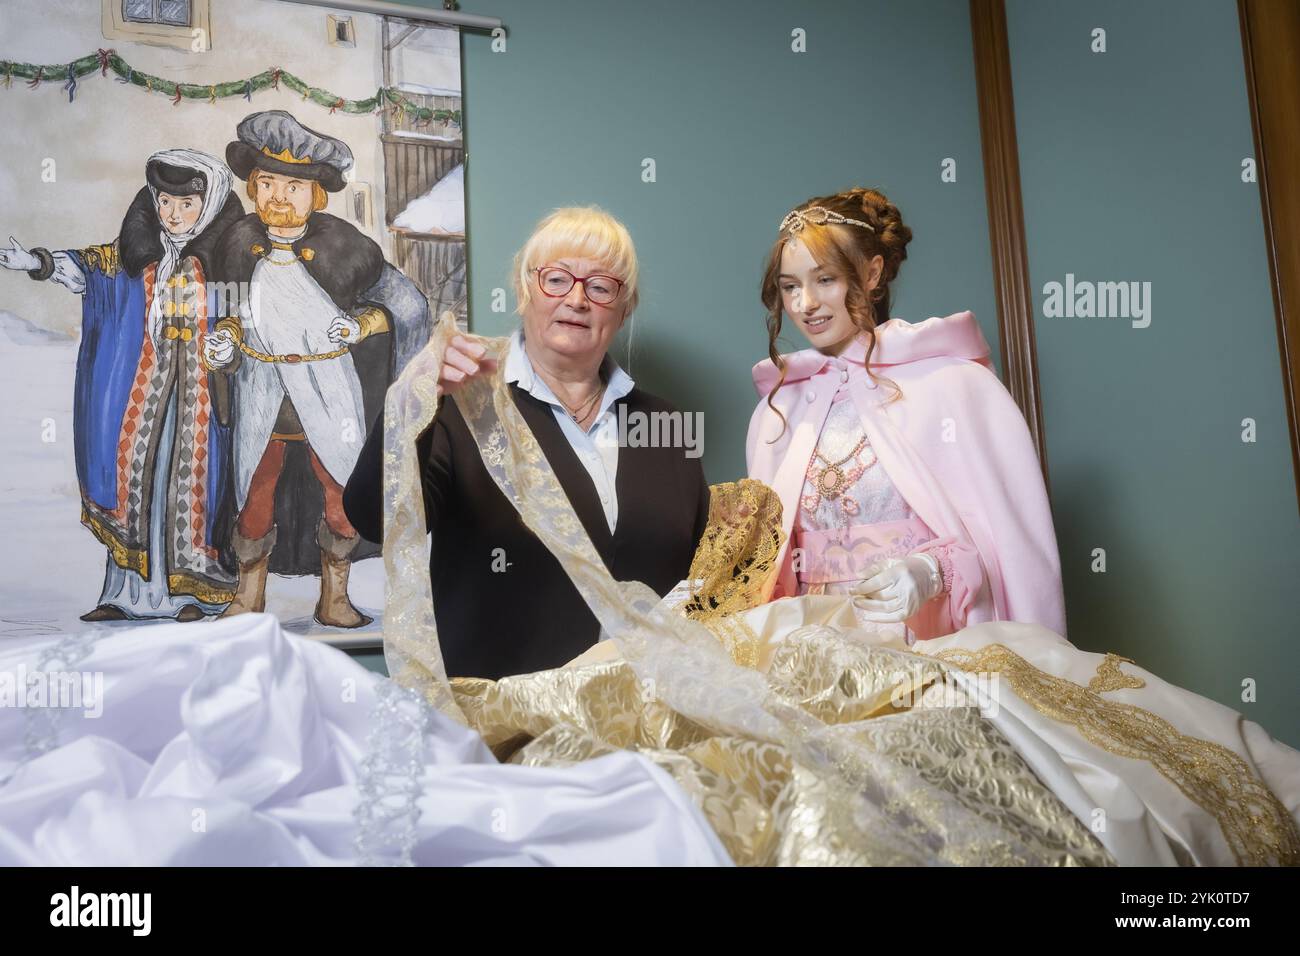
<point x="1015" y="300"/>
<point x="1270" y="35"/>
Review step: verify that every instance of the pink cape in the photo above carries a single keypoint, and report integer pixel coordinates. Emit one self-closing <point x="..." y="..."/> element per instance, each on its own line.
<point x="955" y="446"/>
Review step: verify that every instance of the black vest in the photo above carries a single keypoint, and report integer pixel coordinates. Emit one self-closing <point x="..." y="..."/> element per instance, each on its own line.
<point x="503" y="603"/>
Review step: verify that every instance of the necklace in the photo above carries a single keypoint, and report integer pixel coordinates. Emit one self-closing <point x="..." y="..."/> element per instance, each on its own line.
<point x="579" y="413"/>
<point x="832" y="478"/>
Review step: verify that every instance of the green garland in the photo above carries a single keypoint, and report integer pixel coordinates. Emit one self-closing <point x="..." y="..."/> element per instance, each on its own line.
<point x="105" y="60"/>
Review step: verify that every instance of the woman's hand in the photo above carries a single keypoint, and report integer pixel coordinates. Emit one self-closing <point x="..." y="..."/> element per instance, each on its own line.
<point x="18" y="258"/>
<point x="461" y="362"/>
<point x="898" y="589"/>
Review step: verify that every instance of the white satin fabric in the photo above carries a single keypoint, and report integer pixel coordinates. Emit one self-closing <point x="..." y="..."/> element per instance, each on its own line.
<point x="234" y="743"/>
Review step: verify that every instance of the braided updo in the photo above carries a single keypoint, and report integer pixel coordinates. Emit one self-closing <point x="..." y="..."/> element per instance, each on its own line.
<point x="888" y="241"/>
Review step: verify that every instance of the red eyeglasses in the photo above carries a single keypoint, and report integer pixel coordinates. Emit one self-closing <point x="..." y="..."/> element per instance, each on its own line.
<point x="556" y="283"/>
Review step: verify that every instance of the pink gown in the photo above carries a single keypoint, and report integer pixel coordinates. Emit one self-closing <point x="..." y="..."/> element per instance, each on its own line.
<point x="850" y="516"/>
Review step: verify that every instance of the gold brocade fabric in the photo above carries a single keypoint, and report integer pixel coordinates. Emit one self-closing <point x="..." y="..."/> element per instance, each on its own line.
<point x="764" y="805"/>
<point x="1256" y="825"/>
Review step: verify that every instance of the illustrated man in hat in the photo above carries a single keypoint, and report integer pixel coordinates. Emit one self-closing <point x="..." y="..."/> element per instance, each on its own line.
<point x="310" y="357"/>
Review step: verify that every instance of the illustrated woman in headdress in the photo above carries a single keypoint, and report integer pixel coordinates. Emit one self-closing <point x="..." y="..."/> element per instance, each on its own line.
<point x="152" y="460"/>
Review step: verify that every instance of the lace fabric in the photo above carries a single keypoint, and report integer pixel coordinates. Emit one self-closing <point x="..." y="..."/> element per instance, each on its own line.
<point x="873" y="806"/>
<point x="389" y="777"/>
<point x="411" y="650"/>
<point x="738" y="551"/>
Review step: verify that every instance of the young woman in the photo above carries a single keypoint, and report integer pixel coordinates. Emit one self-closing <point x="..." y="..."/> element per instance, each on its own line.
<point x="906" y="471"/>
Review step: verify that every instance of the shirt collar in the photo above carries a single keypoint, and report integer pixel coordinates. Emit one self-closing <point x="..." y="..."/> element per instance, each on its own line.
<point x="520" y="370"/>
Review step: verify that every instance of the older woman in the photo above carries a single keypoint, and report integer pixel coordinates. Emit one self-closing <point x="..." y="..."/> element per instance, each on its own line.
<point x="503" y="603"/>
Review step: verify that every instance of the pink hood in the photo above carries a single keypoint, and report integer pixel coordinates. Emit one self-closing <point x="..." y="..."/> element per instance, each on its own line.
<point x="897" y="343"/>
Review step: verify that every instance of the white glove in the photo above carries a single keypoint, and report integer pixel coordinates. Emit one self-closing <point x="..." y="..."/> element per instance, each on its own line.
<point x="18" y="258"/>
<point x="219" y="349"/>
<point x="344" y="329"/>
<point x="897" y="589"/>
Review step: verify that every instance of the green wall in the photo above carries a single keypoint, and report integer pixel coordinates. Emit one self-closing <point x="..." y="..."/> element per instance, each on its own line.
<point x="1131" y="168"/>
<point x="1131" y="171"/>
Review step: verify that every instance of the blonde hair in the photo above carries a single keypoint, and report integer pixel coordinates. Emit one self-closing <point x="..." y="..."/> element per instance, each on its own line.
<point x="579" y="232"/>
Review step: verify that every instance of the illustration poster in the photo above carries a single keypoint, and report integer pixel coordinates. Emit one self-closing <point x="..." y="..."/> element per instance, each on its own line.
<point x="225" y="225"/>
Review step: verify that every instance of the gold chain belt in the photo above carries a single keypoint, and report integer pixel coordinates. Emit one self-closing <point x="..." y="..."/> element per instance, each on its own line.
<point x="292" y="358"/>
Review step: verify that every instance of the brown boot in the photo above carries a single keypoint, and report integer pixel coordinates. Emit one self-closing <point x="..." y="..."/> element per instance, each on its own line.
<point x="254" y="555"/>
<point x="334" y="609"/>
<point x="190" y="612"/>
<point x="105" y="612"/>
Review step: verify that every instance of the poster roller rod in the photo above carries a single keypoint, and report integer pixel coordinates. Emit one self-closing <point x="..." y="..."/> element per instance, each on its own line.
<point x="385" y="8"/>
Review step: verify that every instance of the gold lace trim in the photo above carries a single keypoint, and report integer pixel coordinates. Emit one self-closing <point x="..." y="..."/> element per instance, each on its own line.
<point x="1255" y="824"/>
<point x="737" y="552"/>
<point x="1110" y="677"/>
<point x="737" y="637"/>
